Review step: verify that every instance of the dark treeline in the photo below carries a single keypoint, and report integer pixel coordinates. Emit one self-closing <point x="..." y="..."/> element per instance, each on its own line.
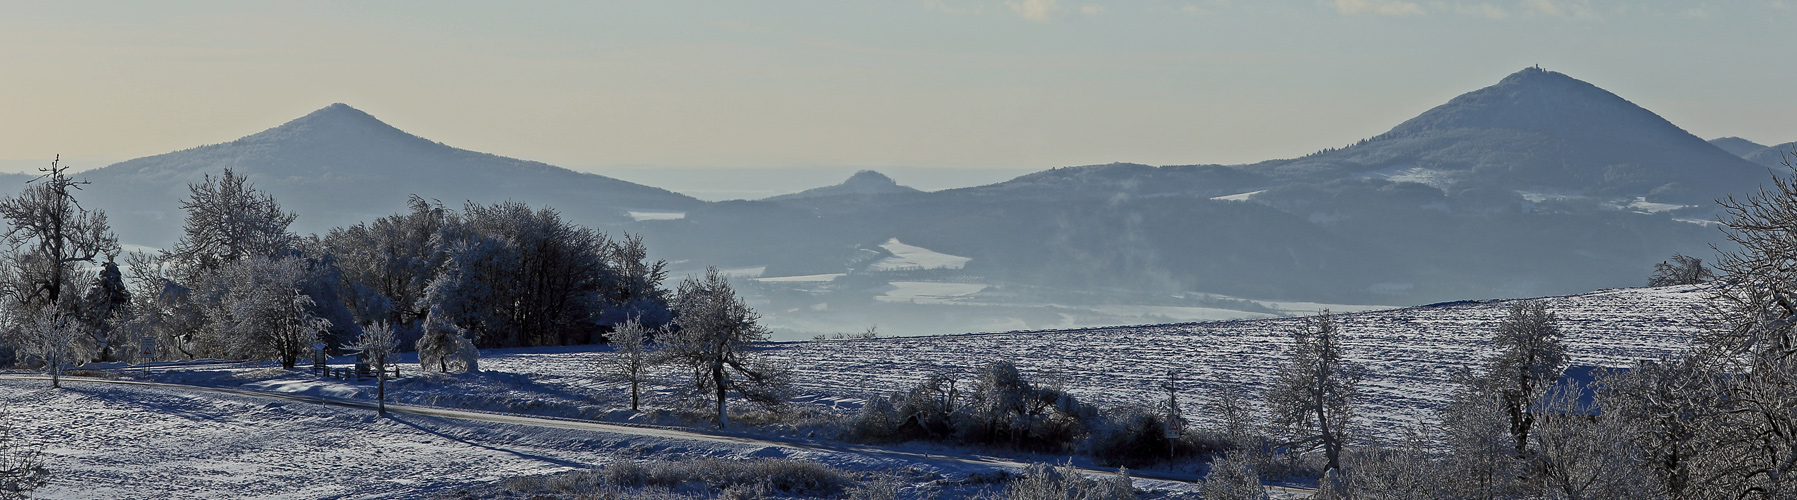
<point x="238" y="284"/>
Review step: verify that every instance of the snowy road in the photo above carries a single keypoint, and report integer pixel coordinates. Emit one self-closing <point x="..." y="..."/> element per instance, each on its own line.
<point x="129" y="439"/>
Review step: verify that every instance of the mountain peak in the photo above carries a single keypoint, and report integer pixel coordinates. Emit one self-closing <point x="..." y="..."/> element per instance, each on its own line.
<point x="1536" y="100"/>
<point x="1737" y="146"/>
<point x="335" y="123"/>
<point x="868" y="179"/>
<point x="865" y="182"/>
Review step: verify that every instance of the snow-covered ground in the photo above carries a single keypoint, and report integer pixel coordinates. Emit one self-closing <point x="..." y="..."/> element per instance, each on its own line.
<point x="106" y="441"/>
<point x="916" y="257"/>
<point x="1409" y="352"/>
<point x="103" y="441"/>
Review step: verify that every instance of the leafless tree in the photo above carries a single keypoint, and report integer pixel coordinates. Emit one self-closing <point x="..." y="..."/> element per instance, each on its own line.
<point x="1531" y="354"/>
<point x="229" y="220"/>
<point x="1581" y="456"/>
<point x="632" y="356"/>
<point x="1315" y="390"/>
<point x="49" y="234"/>
<point x="1479" y="452"/>
<point x="53" y="337"/>
<point x="1754" y="351"/>
<point x="1680" y="270"/>
<point x="714" y="337"/>
<point x="377" y="346"/>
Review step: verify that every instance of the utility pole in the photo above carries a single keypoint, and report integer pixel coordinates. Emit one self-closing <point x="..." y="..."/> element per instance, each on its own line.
<point x="1171" y="385"/>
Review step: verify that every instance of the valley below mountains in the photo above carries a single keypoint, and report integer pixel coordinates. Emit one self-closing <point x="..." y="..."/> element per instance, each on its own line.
<point x="1540" y="184"/>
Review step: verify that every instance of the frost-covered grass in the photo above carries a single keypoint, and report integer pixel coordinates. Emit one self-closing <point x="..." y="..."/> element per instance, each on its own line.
<point x="1408" y="352"/>
<point x="113" y="441"/>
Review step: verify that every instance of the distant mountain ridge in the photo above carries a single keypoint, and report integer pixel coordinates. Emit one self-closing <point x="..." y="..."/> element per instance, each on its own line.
<point x="338" y="166"/>
<point x="1774" y="156"/>
<point x="1537" y="131"/>
<point x="1540" y="184"/>
<point x="863" y="183"/>
<point x="1737" y="146"/>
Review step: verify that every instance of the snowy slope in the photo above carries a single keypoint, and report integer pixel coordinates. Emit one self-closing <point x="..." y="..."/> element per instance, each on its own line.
<point x="1409" y="352"/>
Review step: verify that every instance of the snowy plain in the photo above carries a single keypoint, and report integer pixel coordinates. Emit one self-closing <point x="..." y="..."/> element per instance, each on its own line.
<point x="107" y="441"/>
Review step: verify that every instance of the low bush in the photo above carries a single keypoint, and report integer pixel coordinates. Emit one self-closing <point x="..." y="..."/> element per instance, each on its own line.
<point x="703" y="478"/>
<point x="1045" y="482"/>
<point x="1136" y="436"/>
<point x="1002" y="409"/>
<point x="1005" y="409"/>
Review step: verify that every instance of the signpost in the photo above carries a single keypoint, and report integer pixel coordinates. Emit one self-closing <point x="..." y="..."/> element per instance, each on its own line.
<point x="1175" y="424"/>
<point x="148" y="353"/>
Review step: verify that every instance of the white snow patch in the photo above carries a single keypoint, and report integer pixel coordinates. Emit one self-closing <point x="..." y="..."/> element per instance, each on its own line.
<point x="1538" y="197"/>
<point x="744" y="272"/>
<point x="1410" y="173"/>
<point x="926" y="292"/>
<point x="915" y="257"/>
<point x="1239" y="196"/>
<point x="1647" y="207"/>
<point x="642" y="216"/>
<point x="802" y="279"/>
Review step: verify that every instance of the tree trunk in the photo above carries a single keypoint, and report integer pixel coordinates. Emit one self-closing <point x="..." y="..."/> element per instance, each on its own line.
<point x="55" y="371"/>
<point x="1331" y="448"/>
<point x="380" y="383"/>
<point x="635" y="394"/>
<point x="717" y="381"/>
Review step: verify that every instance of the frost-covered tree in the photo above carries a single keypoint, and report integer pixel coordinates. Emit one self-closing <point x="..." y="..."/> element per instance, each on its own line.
<point x="54" y="338"/>
<point x="1580" y="456"/>
<point x="1478" y="450"/>
<point x="1753" y="355"/>
<point x="1669" y="410"/>
<point x="444" y="348"/>
<point x="1231" y="478"/>
<point x="1314" y="392"/>
<point x="388" y="263"/>
<point x="714" y="333"/>
<point x="50" y="236"/>
<point x="161" y="309"/>
<point x="1680" y="270"/>
<point x="632" y="356"/>
<point x="229" y="220"/>
<point x="636" y="293"/>
<point x="258" y="311"/>
<point x="1531" y="354"/>
<point x="1404" y="470"/>
<point x="377" y="345"/>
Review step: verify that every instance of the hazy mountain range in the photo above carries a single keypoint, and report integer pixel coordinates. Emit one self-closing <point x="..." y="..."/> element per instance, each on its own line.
<point x="338" y="165"/>
<point x="1540" y="184"/>
<point x="1771" y="156"/>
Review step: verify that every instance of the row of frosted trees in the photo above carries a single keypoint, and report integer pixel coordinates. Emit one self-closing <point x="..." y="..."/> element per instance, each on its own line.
<point x="1716" y="422"/>
<point x="240" y="285"/>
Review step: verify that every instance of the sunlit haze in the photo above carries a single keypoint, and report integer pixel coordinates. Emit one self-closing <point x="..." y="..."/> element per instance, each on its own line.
<point x="1025" y="84"/>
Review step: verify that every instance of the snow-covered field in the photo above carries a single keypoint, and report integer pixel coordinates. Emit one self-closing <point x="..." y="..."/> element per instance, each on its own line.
<point x="104" y="441"/>
<point x="916" y="257"/>
<point x="1409" y="352"/>
<point x="107" y="441"/>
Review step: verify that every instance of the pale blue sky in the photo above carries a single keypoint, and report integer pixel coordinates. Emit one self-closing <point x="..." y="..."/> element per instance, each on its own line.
<point x="961" y="84"/>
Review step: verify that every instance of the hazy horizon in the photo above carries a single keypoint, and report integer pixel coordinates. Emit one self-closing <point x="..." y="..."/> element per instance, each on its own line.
<point x="1004" y="85"/>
